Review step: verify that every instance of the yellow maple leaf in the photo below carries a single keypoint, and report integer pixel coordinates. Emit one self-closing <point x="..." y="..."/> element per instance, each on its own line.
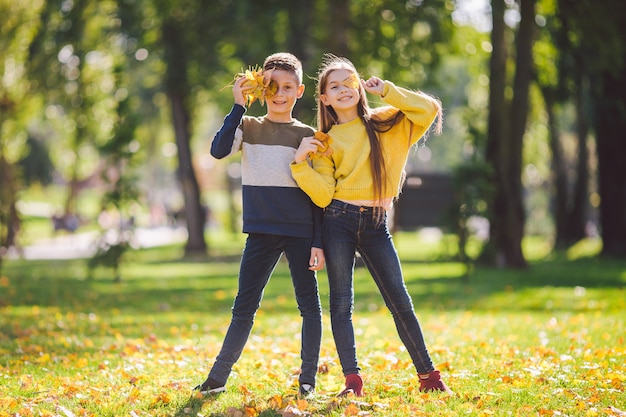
<point x="251" y="410"/>
<point x="352" y="81"/>
<point x="81" y="363"/>
<point x="161" y="398"/>
<point x="351" y="410"/>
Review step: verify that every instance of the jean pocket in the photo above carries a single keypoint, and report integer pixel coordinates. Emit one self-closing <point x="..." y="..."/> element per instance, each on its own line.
<point x="332" y="212"/>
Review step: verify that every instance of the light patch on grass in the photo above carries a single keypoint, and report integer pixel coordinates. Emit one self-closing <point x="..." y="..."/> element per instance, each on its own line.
<point x="585" y="248"/>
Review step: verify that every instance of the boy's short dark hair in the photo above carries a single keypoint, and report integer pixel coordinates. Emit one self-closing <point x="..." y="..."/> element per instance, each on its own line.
<point x="284" y="61"/>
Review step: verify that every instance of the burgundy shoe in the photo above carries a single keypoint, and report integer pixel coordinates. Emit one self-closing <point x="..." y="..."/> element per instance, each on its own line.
<point x="354" y="385"/>
<point x="432" y="382"/>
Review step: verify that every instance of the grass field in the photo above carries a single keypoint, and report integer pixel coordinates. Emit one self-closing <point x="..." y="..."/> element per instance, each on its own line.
<point x="549" y="341"/>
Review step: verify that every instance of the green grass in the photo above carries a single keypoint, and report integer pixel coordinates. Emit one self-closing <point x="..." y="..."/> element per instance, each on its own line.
<point x="547" y="341"/>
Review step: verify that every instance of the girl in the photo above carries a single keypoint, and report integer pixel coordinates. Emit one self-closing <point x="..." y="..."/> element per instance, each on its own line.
<point x="356" y="184"/>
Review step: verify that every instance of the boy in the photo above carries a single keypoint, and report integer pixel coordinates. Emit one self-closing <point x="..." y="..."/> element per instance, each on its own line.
<point x="277" y="216"/>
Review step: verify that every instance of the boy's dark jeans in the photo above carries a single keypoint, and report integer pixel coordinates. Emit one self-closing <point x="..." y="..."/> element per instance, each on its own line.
<point x="347" y="229"/>
<point x="260" y="256"/>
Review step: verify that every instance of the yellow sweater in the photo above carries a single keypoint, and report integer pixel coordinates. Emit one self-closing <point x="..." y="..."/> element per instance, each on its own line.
<point x="346" y="173"/>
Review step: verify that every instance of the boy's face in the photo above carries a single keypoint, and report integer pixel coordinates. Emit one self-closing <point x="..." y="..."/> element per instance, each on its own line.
<point x="288" y="90"/>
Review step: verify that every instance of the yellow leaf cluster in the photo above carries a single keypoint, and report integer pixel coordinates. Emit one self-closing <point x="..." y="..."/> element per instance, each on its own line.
<point x="257" y="85"/>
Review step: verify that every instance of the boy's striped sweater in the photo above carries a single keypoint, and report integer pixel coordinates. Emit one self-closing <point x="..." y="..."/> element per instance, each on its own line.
<point x="272" y="201"/>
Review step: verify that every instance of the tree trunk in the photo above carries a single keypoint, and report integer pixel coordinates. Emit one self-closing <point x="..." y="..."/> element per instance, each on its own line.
<point x="577" y="210"/>
<point x="610" y="117"/>
<point x="506" y="127"/>
<point x="570" y="193"/>
<point x="519" y="114"/>
<point x="9" y="218"/>
<point x="559" y="173"/>
<point x="178" y="94"/>
<point x="604" y="28"/>
<point x="300" y="12"/>
<point x="495" y="130"/>
<point x="338" y="25"/>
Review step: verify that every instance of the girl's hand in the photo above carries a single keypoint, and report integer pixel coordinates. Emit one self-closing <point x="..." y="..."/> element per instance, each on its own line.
<point x="239" y="92"/>
<point x="308" y="145"/>
<point x="374" y="85"/>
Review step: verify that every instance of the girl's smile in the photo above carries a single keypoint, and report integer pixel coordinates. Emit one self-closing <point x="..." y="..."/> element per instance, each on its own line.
<point x="342" y="97"/>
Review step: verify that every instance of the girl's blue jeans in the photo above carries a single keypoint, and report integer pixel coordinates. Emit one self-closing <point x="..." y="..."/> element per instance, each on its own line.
<point x="346" y="230"/>
<point x="260" y="256"/>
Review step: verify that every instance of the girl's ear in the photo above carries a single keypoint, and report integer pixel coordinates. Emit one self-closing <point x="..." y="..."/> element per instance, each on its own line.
<point x="324" y="99"/>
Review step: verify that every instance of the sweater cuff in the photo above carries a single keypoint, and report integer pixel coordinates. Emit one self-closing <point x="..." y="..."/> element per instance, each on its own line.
<point x="297" y="167"/>
<point x="385" y="89"/>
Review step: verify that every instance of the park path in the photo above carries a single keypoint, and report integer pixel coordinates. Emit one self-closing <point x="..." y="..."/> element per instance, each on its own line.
<point x="83" y="245"/>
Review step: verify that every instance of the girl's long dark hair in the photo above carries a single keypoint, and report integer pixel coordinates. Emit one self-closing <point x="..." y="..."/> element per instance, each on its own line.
<point x="327" y="117"/>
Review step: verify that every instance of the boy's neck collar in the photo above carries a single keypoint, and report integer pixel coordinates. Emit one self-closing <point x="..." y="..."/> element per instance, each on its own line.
<point x="275" y="119"/>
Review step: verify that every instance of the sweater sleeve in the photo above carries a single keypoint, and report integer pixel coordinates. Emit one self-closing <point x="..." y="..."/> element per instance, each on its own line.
<point x="421" y="109"/>
<point x="318" y="183"/>
<point x="318" y="216"/>
<point x="222" y="145"/>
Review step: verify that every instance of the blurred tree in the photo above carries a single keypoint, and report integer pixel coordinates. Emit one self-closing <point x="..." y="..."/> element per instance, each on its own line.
<point x="176" y="45"/>
<point x="506" y="128"/>
<point x="118" y="175"/>
<point x="70" y="66"/>
<point x="16" y="108"/>
<point x="36" y="165"/>
<point x="200" y="49"/>
<point x="599" y="32"/>
<point x="561" y="80"/>
<point x="400" y="41"/>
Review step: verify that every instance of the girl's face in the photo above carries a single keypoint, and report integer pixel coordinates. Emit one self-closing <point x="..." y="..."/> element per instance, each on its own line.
<point x="288" y="90"/>
<point x="339" y="93"/>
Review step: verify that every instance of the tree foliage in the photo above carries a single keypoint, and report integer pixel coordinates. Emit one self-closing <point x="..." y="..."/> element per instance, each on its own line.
<point x="83" y="74"/>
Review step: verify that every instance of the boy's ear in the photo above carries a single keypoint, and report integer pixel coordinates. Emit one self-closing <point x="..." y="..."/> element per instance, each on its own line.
<point x="300" y="90"/>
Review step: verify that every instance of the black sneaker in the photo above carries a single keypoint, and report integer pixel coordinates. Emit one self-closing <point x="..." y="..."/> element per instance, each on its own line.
<point x="306" y="390"/>
<point x="210" y="386"/>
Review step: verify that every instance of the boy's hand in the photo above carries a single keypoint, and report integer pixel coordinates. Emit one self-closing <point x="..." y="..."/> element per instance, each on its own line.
<point x="239" y="92"/>
<point x="374" y="85"/>
<point x="308" y="145"/>
<point x="317" y="260"/>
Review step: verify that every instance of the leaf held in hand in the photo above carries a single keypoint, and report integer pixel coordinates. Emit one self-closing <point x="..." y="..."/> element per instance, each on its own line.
<point x="257" y="85"/>
<point x="352" y="81"/>
<point x="325" y="149"/>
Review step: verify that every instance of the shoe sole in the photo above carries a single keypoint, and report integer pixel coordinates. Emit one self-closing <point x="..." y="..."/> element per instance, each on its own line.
<point x="211" y="391"/>
<point x="347" y="392"/>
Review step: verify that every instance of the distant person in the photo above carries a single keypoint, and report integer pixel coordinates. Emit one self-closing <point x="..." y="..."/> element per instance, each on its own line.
<point x="356" y="184"/>
<point x="277" y="215"/>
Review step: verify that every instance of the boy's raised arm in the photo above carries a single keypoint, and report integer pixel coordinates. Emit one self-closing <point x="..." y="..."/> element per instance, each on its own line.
<point x="222" y="145"/>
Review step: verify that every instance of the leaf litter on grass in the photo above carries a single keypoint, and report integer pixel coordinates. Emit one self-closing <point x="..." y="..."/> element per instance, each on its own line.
<point x="570" y="363"/>
<point x="544" y="351"/>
